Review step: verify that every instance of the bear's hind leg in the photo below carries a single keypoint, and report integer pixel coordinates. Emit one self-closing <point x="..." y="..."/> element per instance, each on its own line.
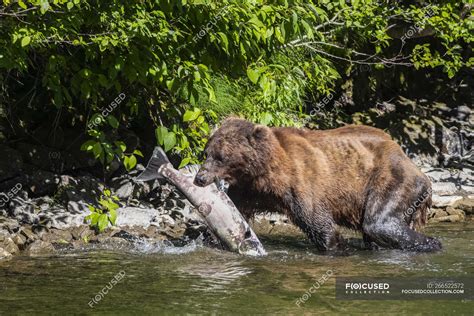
<point x="390" y="231"/>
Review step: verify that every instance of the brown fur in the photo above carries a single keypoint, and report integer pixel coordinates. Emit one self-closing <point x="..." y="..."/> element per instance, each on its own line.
<point x="354" y="176"/>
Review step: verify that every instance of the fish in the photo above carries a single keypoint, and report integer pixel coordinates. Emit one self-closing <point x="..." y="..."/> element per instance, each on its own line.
<point x="215" y="207"/>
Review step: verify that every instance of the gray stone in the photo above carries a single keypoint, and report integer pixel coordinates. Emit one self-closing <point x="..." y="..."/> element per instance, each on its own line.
<point x="57" y="235"/>
<point x="466" y="204"/>
<point x="134" y="216"/>
<point x="444" y="188"/>
<point x="4" y="254"/>
<point x="28" y="233"/>
<point x="9" y="245"/>
<point x="81" y="232"/>
<point x="40" y="247"/>
<point x="23" y="209"/>
<point x="438" y="213"/>
<point x="449" y="218"/>
<point x="8" y="224"/>
<point x="43" y="183"/>
<point x="19" y="240"/>
<point x="453" y="211"/>
<point x="443" y="201"/>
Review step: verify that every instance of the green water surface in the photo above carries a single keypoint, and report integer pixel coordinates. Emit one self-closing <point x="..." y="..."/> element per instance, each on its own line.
<point x="196" y="280"/>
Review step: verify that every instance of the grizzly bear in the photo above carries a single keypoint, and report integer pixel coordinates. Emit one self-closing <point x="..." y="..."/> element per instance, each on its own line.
<point x="352" y="176"/>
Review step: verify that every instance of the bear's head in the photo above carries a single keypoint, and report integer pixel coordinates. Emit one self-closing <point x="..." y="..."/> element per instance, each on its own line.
<point x="236" y="151"/>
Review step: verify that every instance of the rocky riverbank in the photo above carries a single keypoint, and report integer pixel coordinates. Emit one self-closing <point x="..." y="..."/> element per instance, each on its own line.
<point x="43" y="211"/>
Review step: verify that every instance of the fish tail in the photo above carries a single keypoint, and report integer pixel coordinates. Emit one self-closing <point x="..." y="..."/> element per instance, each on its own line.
<point x="158" y="159"/>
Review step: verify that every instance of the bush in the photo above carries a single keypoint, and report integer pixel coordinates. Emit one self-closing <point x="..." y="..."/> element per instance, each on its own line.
<point x="183" y="65"/>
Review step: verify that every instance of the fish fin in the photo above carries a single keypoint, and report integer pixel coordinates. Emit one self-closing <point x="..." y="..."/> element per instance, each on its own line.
<point x="156" y="161"/>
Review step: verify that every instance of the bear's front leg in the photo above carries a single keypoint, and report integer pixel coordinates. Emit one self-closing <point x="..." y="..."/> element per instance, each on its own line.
<point x="318" y="225"/>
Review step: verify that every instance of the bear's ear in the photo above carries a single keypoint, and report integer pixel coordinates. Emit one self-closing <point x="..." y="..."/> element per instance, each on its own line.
<point x="259" y="132"/>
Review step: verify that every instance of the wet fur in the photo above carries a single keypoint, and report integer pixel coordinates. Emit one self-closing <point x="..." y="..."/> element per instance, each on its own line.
<point x="353" y="176"/>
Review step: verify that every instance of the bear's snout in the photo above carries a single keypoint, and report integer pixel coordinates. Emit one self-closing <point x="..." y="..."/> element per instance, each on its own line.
<point x="200" y="180"/>
<point x="203" y="177"/>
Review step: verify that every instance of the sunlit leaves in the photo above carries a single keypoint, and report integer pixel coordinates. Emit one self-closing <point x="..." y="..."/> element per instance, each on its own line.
<point x="104" y="212"/>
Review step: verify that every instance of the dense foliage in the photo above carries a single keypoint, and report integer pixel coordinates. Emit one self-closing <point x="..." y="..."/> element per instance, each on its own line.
<point x="172" y="69"/>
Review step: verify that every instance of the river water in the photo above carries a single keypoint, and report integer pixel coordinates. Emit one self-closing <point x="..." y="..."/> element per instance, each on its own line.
<point x="157" y="279"/>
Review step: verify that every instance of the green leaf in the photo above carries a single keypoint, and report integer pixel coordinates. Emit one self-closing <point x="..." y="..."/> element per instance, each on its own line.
<point x="112" y="216"/>
<point x="138" y="153"/>
<point x="22" y="4"/>
<point x="113" y="121"/>
<point x="130" y="162"/>
<point x="94" y="218"/>
<point x="121" y="147"/>
<point x="169" y="141"/>
<point x="25" y="41"/>
<point x="160" y="133"/>
<point x="97" y="150"/>
<point x="103" y="222"/>
<point x="191" y="115"/>
<point x="184" y="162"/>
<point x="266" y="118"/>
<point x="253" y="74"/>
<point x="224" y="40"/>
<point x="87" y="146"/>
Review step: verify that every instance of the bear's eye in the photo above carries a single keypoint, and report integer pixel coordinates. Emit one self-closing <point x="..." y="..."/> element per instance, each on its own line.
<point x="218" y="158"/>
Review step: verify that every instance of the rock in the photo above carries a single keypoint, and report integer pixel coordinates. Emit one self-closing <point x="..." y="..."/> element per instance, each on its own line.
<point x="57" y="236"/>
<point x="167" y="220"/>
<point x="9" y="224"/>
<point x="81" y="232"/>
<point x="449" y="218"/>
<point x="4" y="254"/>
<point x="443" y="201"/>
<point x="444" y="188"/>
<point x="466" y="204"/>
<point x="176" y="232"/>
<point x="134" y="216"/>
<point x="42" y="183"/>
<point x="452" y="211"/>
<point x="115" y="242"/>
<point x="451" y="181"/>
<point x="28" y="234"/>
<point x="19" y="240"/>
<point x="40" y="247"/>
<point x="10" y="162"/>
<point x="126" y="188"/>
<point x="22" y="209"/>
<point x="4" y="234"/>
<point x="436" y="213"/>
<point x="9" y="245"/>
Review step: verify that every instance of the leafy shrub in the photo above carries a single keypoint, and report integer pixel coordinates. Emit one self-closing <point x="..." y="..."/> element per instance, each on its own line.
<point x="104" y="213"/>
<point x="271" y="62"/>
